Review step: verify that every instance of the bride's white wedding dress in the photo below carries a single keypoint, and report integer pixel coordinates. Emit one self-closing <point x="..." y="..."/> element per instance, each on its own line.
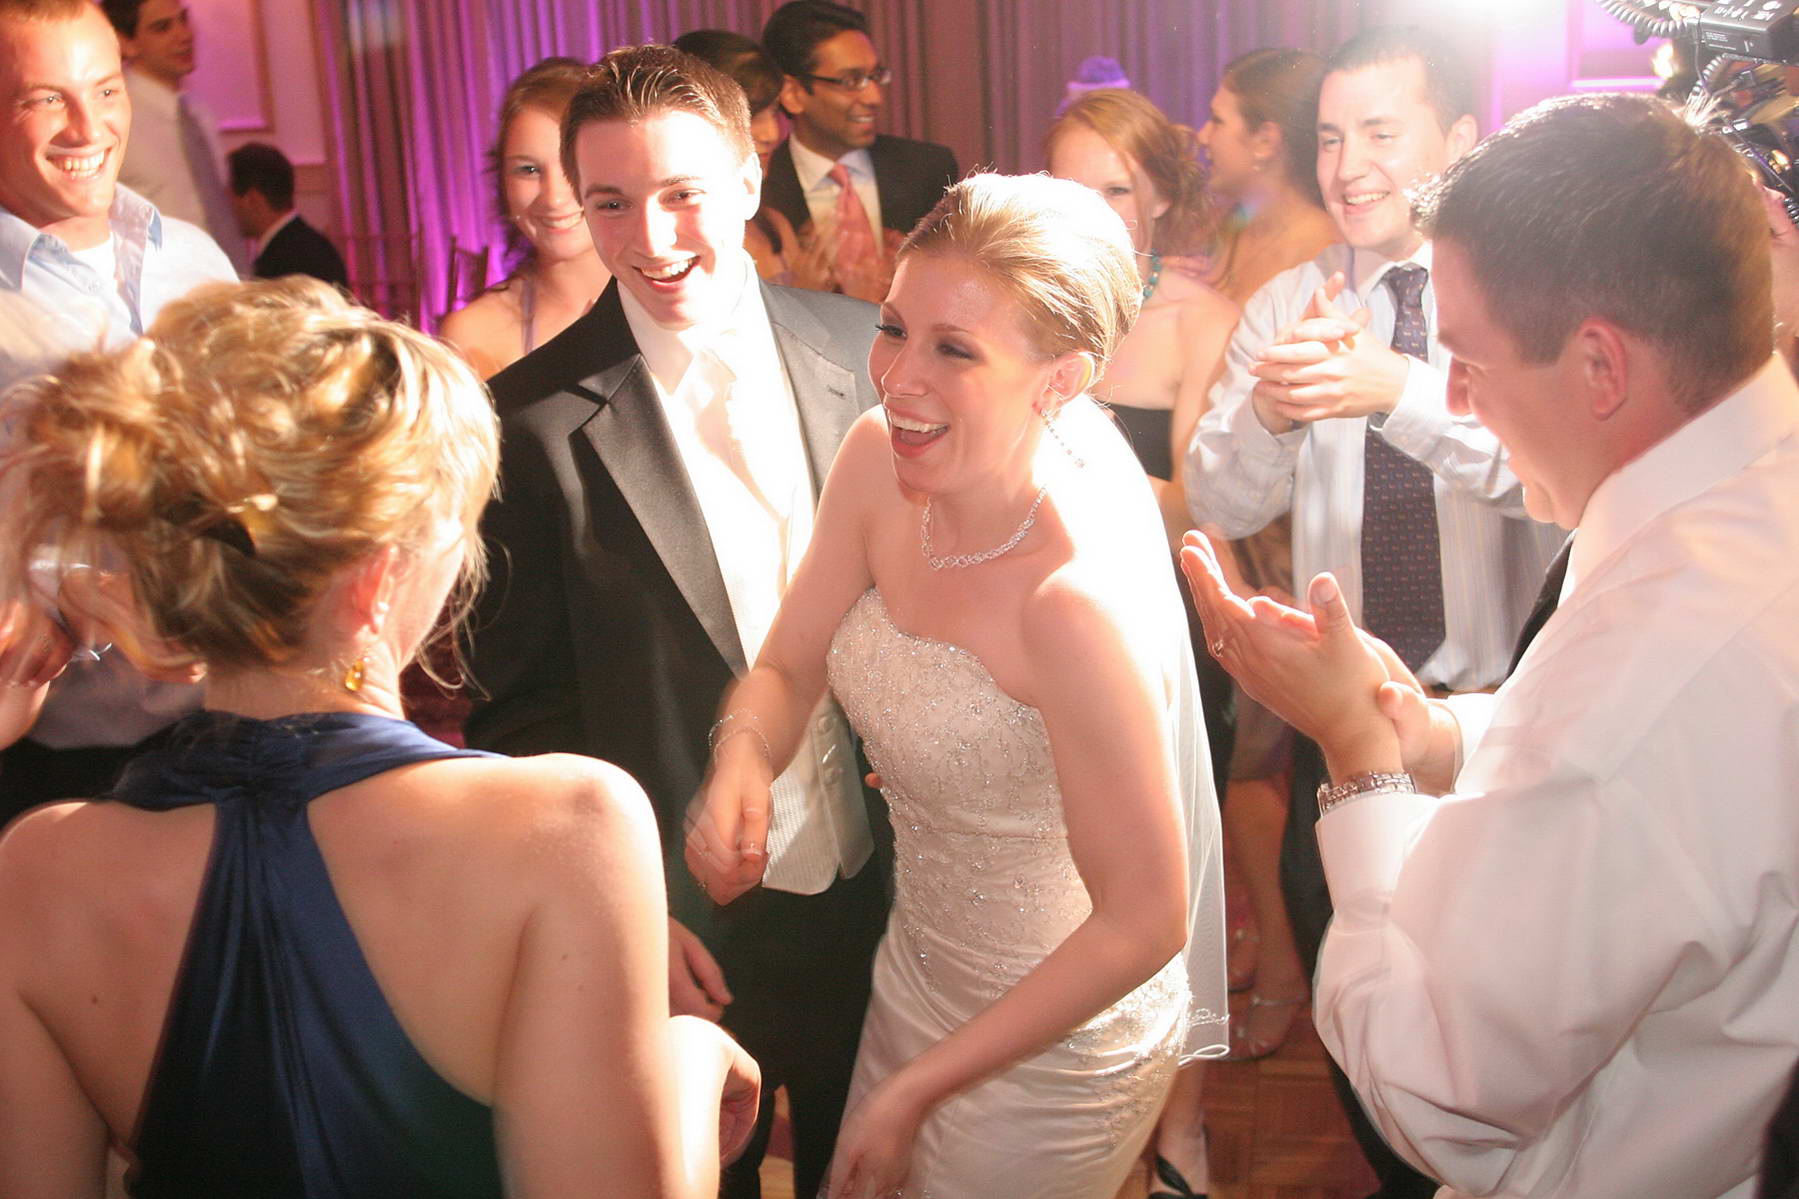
<point x="985" y="889"/>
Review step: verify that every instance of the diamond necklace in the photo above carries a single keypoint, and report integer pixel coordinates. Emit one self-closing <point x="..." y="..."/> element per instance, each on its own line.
<point x="957" y="560"/>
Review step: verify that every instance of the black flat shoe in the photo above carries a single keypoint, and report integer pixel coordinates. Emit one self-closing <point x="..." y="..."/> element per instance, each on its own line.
<point x="1171" y="1177"/>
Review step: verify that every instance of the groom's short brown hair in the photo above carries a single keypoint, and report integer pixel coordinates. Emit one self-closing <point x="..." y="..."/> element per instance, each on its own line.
<point x="634" y="83"/>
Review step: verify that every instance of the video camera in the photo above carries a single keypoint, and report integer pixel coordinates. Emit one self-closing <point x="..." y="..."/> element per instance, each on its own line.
<point x="1742" y="49"/>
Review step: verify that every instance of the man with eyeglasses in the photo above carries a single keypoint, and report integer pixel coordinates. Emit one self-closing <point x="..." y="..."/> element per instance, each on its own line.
<point x="859" y="190"/>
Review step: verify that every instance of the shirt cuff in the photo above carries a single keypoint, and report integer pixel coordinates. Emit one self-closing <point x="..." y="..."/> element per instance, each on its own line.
<point x="1257" y="445"/>
<point x="1473" y="712"/>
<point x="1421" y="417"/>
<point x="1364" y="843"/>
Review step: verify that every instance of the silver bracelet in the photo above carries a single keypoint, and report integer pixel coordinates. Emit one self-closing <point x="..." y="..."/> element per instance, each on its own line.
<point x="1358" y="785"/>
<point x="751" y="724"/>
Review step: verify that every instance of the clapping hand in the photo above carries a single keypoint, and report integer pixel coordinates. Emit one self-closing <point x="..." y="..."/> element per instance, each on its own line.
<point x="1325" y="367"/>
<point x="809" y="262"/>
<point x="870" y="276"/>
<point x="1314" y="669"/>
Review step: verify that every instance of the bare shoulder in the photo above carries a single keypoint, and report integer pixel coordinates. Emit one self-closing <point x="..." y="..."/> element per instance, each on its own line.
<point x="64" y="865"/>
<point x="58" y="840"/>
<point x="864" y="460"/>
<point x="1197" y="301"/>
<point x="1071" y="622"/>
<point x="548" y="798"/>
<point x="486" y="331"/>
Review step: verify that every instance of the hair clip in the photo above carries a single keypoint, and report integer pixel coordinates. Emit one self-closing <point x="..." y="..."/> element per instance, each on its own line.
<point x="236" y="526"/>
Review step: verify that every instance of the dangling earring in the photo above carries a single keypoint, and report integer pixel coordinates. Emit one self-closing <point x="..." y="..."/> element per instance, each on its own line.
<point x="352" y="680"/>
<point x="1050" y="424"/>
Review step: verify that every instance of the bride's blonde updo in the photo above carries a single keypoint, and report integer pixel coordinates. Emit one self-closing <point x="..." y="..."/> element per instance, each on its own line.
<point x="1054" y="246"/>
<point x="259" y="440"/>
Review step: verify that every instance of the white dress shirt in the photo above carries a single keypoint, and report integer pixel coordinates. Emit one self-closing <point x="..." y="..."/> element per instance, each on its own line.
<point x="821" y="191"/>
<point x="53" y="303"/>
<point x="1240" y="476"/>
<point x="736" y="426"/>
<point x="1579" y="975"/>
<point x="155" y="163"/>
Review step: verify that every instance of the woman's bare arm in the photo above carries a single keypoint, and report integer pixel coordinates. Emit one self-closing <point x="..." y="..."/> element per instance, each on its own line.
<point x="595" y="1091"/>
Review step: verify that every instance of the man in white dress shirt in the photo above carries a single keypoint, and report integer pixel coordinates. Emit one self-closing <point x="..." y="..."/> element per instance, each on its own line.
<point x="1577" y="974"/>
<point x="1342" y="420"/>
<point x="83" y="263"/>
<point x="174" y="159"/>
<point x="660" y="460"/>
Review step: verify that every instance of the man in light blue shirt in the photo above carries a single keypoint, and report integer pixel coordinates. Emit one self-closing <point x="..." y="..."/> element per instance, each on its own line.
<point x="84" y="265"/>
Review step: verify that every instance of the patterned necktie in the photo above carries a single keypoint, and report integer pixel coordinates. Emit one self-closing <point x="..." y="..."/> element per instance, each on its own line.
<point x="855" y="237"/>
<point x="203" y="168"/>
<point x="1402" y="562"/>
<point x="1548" y="596"/>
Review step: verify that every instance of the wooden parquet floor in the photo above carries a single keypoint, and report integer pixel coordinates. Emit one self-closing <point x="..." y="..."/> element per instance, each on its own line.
<point x="1276" y="1131"/>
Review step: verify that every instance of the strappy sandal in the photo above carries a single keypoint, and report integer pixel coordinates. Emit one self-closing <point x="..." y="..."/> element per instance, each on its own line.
<point x="1170" y="1177"/>
<point x="1244" y="946"/>
<point x="1248" y="1048"/>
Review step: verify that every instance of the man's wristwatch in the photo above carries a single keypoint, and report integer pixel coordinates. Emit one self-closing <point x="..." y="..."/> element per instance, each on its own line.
<point x="1357" y="785"/>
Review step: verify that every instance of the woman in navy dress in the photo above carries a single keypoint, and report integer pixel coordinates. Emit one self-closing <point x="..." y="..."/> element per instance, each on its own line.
<point x="305" y="950"/>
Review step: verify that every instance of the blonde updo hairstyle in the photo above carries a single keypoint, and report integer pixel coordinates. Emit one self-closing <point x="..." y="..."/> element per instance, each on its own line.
<point x="263" y="438"/>
<point x="1055" y="247"/>
<point x="1162" y="149"/>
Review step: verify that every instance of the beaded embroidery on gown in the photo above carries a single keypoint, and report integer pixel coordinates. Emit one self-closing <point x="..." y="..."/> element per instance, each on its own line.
<point x="985" y="888"/>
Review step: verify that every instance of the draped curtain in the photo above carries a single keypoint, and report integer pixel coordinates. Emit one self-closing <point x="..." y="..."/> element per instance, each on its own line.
<point x="413" y="87"/>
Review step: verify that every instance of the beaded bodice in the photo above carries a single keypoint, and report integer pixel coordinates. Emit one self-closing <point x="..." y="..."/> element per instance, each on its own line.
<point x="983" y="877"/>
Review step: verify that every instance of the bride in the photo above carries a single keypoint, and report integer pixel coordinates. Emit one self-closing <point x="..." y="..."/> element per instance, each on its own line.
<point x="995" y="610"/>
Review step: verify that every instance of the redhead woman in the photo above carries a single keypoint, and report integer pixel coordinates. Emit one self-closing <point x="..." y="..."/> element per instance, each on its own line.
<point x="1120" y="145"/>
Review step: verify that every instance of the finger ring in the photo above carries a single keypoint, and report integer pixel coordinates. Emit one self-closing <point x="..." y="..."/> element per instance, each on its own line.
<point x="1217" y="647"/>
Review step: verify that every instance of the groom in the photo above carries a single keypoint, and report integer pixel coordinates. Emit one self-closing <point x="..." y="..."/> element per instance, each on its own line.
<point x="660" y="463"/>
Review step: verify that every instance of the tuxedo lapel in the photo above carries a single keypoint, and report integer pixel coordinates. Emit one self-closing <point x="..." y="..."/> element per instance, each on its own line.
<point x="824" y="391"/>
<point x="889" y="184"/>
<point x="630" y="434"/>
<point x="781" y="188"/>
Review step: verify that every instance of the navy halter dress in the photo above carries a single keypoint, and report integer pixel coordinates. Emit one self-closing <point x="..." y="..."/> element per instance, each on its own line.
<point x="282" y="1070"/>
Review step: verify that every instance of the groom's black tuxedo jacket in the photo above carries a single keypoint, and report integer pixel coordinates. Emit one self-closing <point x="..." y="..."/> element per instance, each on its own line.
<point x="910" y="177"/>
<point x="606" y="629"/>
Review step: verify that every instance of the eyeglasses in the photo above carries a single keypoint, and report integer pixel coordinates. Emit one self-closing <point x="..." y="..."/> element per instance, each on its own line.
<point x="855" y="81"/>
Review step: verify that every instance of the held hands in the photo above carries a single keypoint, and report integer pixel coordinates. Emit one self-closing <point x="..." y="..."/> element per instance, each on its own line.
<point x="727" y="824"/>
<point x="1325" y="366"/>
<point x="874" y="1147"/>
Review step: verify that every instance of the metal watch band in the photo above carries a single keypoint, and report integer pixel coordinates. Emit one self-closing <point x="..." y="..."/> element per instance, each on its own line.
<point x="1357" y="785"/>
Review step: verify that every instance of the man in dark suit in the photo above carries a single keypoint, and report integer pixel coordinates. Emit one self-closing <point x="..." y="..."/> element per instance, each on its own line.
<point x="851" y="184"/>
<point x="660" y="462"/>
<point x="262" y="194"/>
